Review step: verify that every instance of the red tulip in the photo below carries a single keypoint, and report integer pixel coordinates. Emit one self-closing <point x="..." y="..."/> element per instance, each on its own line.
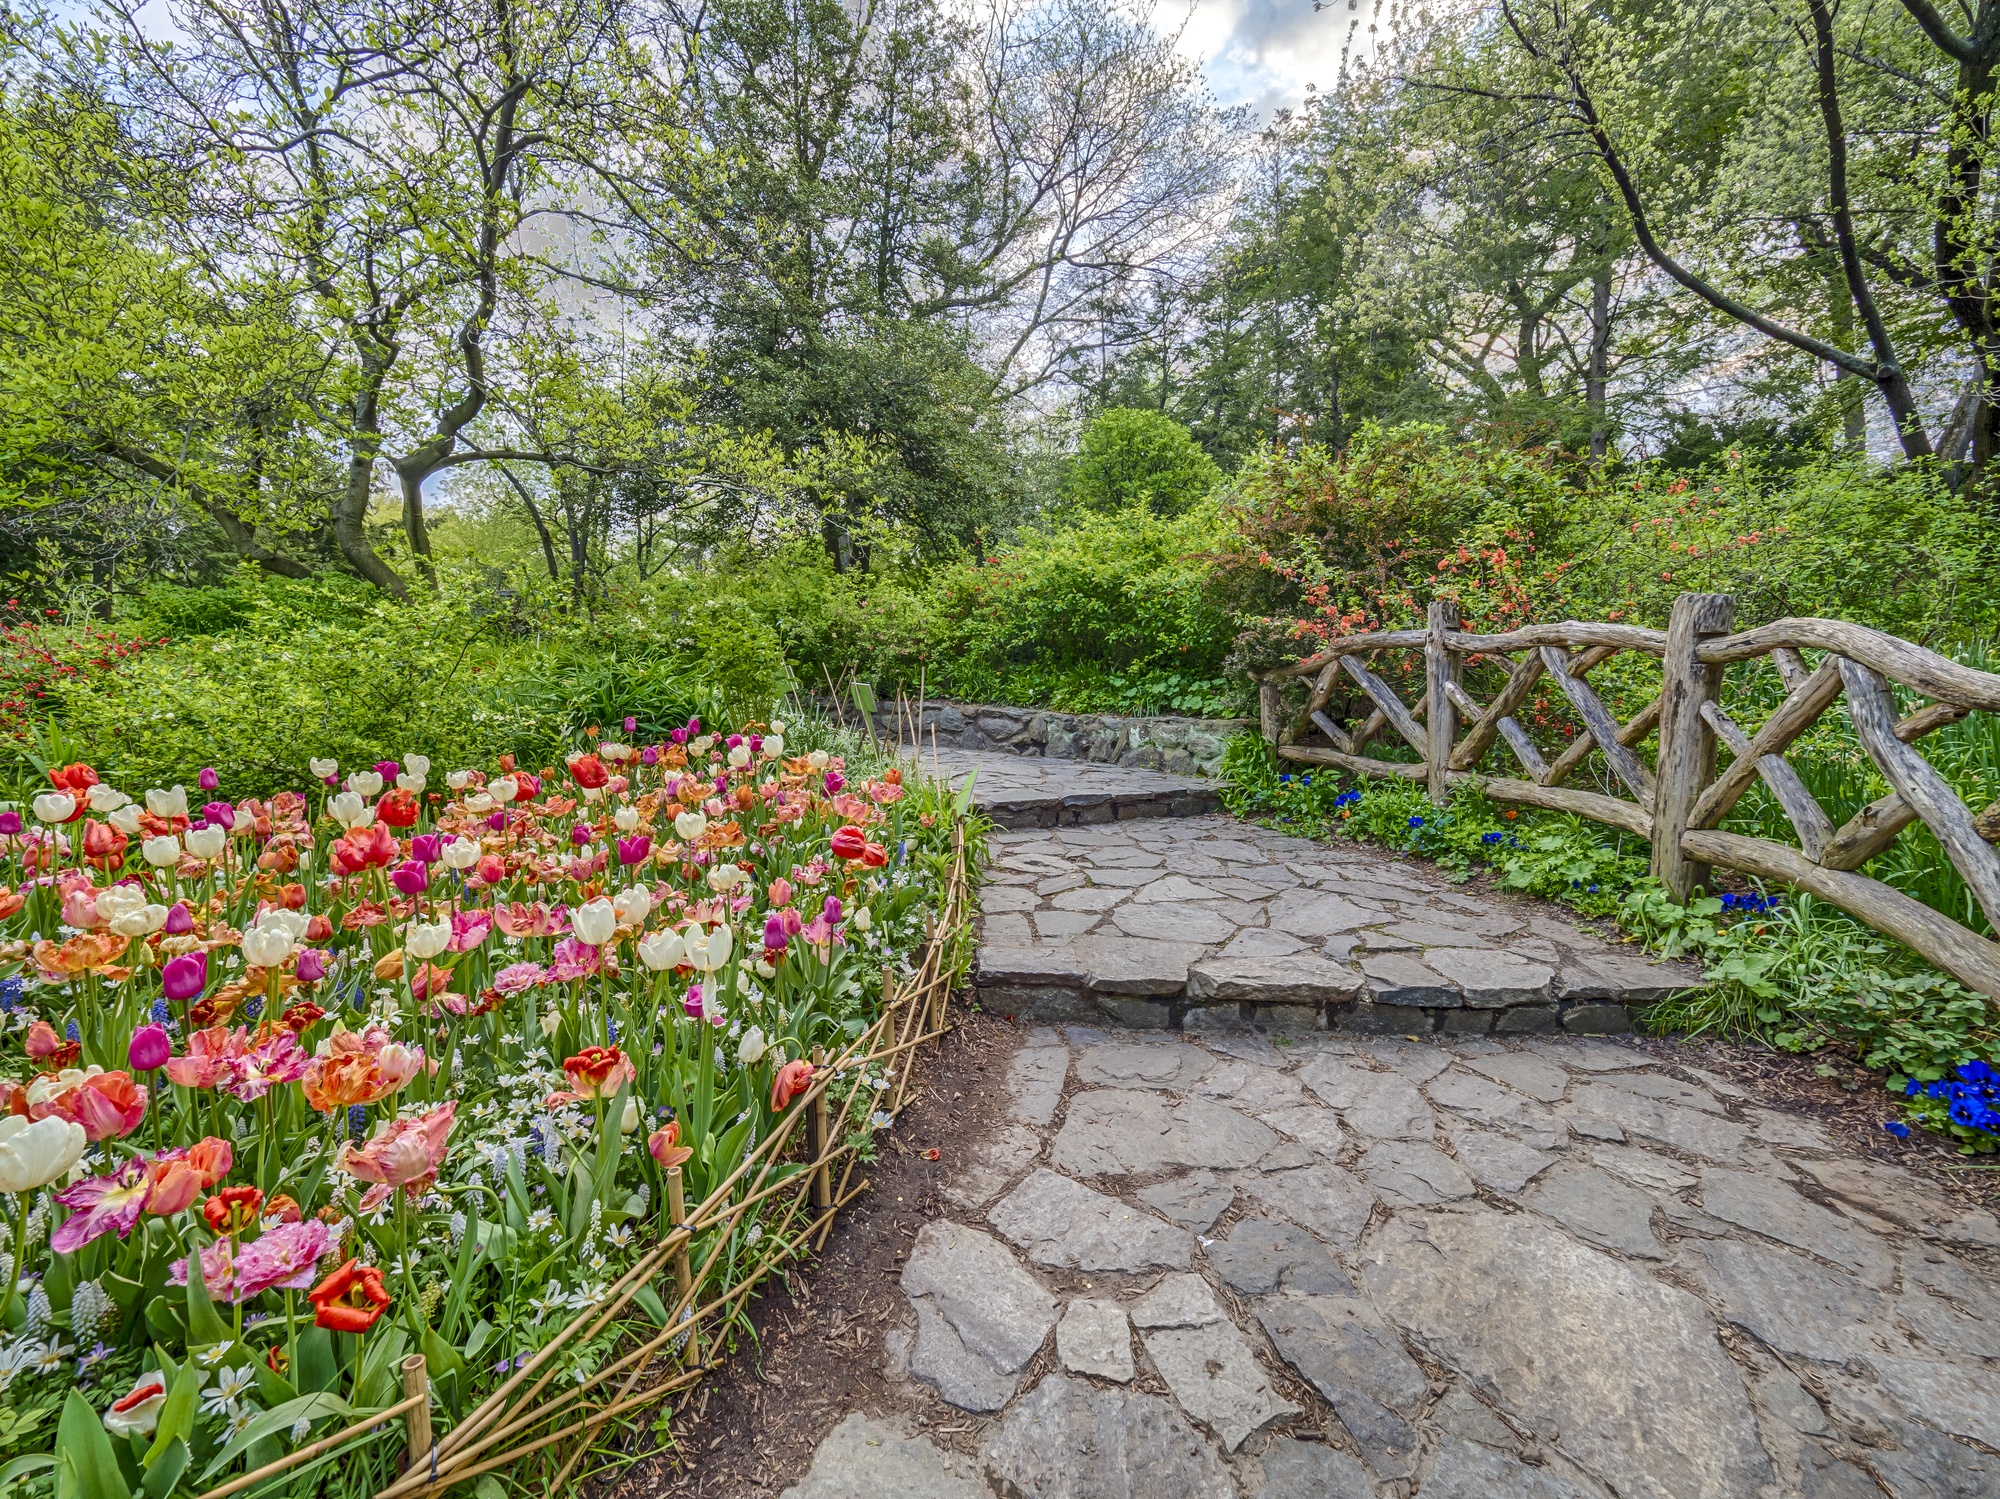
<point x="849" y="843"/>
<point x="793" y="1079"/>
<point x="350" y="1299"/>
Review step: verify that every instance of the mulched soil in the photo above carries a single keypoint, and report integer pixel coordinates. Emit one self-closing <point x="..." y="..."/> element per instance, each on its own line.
<point x="752" y="1428"/>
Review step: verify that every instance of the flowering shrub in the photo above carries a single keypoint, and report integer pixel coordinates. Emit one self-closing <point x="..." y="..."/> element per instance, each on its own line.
<point x="300" y="1084"/>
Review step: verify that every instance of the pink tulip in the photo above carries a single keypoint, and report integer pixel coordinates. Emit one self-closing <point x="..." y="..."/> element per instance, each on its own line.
<point x="634" y="849"/>
<point x="208" y="780"/>
<point x="404" y="1153"/>
<point x="425" y="848"/>
<point x="186" y="976"/>
<point x="220" y="815"/>
<point x="149" y="1048"/>
<point x="410" y="877"/>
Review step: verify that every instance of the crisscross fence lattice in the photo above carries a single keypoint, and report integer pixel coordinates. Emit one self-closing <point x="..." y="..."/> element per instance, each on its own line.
<point x="1679" y="800"/>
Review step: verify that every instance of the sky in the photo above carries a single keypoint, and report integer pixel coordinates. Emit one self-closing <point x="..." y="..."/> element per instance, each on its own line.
<point x="1263" y="53"/>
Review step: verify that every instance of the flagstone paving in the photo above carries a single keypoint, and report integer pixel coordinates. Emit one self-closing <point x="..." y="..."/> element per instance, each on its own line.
<point x="1288" y="1249"/>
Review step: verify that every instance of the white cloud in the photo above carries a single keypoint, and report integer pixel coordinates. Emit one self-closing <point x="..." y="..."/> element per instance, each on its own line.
<point x="1263" y="53"/>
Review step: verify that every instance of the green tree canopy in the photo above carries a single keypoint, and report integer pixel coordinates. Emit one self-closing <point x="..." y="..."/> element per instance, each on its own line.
<point x="1132" y="456"/>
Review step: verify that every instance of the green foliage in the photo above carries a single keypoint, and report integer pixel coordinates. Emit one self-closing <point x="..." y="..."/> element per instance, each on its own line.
<point x="1140" y="458"/>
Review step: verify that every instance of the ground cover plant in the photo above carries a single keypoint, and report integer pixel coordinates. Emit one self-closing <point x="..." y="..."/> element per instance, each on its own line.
<point x="1780" y="969"/>
<point x="402" y="1061"/>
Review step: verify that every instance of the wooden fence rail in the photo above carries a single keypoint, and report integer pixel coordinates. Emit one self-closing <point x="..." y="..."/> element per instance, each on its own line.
<point x="1679" y="800"/>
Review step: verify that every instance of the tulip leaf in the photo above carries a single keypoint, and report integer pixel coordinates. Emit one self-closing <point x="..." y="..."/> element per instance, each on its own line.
<point x="268" y="1423"/>
<point x="318" y="1369"/>
<point x="86" y="1463"/>
<point x="962" y="803"/>
<point x="205" y="1325"/>
<point x="650" y="1303"/>
<point x="176" y="1421"/>
<point x="163" y="1475"/>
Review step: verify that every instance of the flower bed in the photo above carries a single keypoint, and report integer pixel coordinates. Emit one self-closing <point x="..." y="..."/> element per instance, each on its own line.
<point x="388" y="1102"/>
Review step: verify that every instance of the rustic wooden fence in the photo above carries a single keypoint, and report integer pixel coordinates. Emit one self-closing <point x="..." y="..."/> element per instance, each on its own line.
<point x="1679" y="801"/>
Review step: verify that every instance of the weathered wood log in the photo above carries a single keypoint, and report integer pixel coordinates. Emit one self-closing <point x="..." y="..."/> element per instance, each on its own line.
<point x="1441" y="676"/>
<point x="1500" y="712"/>
<point x="1987" y="824"/>
<point x="1792" y="668"/>
<point x="1868" y="832"/>
<point x="1348" y="646"/>
<point x="1333" y="731"/>
<point x="1603" y="727"/>
<point x="1687" y="744"/>
<point x="1873" y="712"/>
<point x="1570" y="634"/>
<point x="1583" y="664"/>
<point x="1799" y="712"/>
<point x="1807" y="816"/>
<point x="1925" y="671"/>
<point x="1315" y="754"/>
<point x="1594" y="805"/>
<point x="1924" y="720"/>
<point x="1270" y="707"/>
<point x="1974" y="961"/>
<point x="1384" y="697"/>
<point x="1579" y="751"/>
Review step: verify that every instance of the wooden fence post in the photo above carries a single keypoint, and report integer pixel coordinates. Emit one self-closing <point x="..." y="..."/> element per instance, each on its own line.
<point x="417" y="1419"/>
<point x="1270" y="710"/>
<point x="1687" y="743"/>
<point x="1441" y="668"/>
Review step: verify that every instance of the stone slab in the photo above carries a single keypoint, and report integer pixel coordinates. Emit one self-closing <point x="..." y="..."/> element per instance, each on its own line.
<point x="1323" y="1198"/>
<point x="1597" y="1208"/>
<point x="1094" y="1338"/>
<point x="1194" y="1200"/>
<point x="980" y="1316"/>
<point x="990" y="1163"/>
<point x="1035" y="1079"/>
<point x="1375" y="1105"/>
<point x="1344" y="1350"/>
<point x="1491" y="978"/>
<point x="1216" y="1379"/>
<point x="1301" y="979"/>
<point x="1290" y="1469"/>
<point x="1064" y="1225"/>
<point x="1115" y="1131"/>
<point x="1407" y="1173"/>
<point x="1497" y="1162"/>
<point x="1066" y="1439"/>
<point x="1261" y="1256"/>
<point x="864" y="1457"/>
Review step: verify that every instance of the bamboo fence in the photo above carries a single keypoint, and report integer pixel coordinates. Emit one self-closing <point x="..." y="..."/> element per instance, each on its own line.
<point x="1679" y="801"/>
<point x="509" y="1424"/>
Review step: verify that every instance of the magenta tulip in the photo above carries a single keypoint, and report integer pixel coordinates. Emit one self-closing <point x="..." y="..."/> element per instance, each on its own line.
<point x="649" y="757"/>
<point x="150" y="1048"/>
<point x="387" y="769"/>
<point x="410" y="877"/>
<point x="185" y="977"/>
<point x="208" y="780"/>
<point x="834" y="781"/>
<point x="220" y="815"/>
<point x="426" y="847"/>
<point x="580" y="834"/>
<point x="10" y="824"/>
<point x="179" y="920"/>
<point x="312" y="966"/>
<point x="632" y="850"/>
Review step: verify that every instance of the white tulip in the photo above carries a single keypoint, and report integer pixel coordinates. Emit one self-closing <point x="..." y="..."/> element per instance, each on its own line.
<point x="817" y="759"/>
<point x="417" y="765"/>
<point x="551" y="1023"/>
<point x="120" y="900"/>
<point x="713" y="950"/>
<point x="140" y="923"/>
<point x="322" y="768"/>
<point x="750" y="1050"/>
<point x="615" y="752"/>
<point x="425" y="940"/>
<point x="105" y="798"/>
<point x="594" y="922"/>
<point x="661" y="951"/>
<point x="777" y="726"/>
<point x="163" y="852"/>
<point x="267" y="945"/>
<point x="633" y="904"/>
<point x="410" y="783"/>
<point x="366" y="820"/>
<point x="739" y="757"/>
<point x="346" y="807"/>
<point x="862" y="920"/>
<point x="458" y="780"/>
<point x="55" y="806"/>
<point x="365" y="783"/>
<point x="34" y="1154"/>
<point x="765" y="968"/>
<point x="702" y="745"/>
<point x="506" y="789"/>
<point x="592" y="794"/>
<point x="173" y="803"/>
<point x="629" y="1120"/>
<point x="460" y="853"/>
<point x="208" y="842"/>
<point x="289" y="920"/>
<point x="126" y="819"/>
<point x="480" y="803"/>
<point x="774" y="744"/>
<point x="626" y="819"/>
<point x="689" y="826"/>
<point x="726" y="877"/>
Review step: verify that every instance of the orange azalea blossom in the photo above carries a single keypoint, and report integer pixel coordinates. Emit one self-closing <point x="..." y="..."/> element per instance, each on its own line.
<point x="403" y="1153"/>
<point x="666" y="1147"/>
<point x="359" y="1067"/>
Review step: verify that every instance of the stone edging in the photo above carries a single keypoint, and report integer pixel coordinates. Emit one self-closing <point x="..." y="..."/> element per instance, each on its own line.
<point x="1183" y="746"/>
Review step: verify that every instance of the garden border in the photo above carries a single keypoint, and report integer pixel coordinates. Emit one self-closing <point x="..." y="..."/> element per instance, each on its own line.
<point x="1679" y="803"/>
<point x="912" y="1014"/>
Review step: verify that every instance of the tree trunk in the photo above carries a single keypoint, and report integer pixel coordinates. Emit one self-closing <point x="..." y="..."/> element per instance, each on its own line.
<point x="350" y="516"/>
<point x="1597" y="377"/>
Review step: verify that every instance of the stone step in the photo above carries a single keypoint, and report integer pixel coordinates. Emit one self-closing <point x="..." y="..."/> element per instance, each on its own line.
<point x="1023" y="791"/>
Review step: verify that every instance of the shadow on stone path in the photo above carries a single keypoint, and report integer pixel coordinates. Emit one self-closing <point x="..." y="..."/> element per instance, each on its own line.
<point x="1261" y="1257"/>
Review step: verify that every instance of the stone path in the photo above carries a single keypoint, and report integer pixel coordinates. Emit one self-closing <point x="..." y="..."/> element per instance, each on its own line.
<point x="1258" y="1258"/>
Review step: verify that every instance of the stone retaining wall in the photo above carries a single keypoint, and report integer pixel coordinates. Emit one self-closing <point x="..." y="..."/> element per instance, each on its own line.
<point x="1185" y="746"/>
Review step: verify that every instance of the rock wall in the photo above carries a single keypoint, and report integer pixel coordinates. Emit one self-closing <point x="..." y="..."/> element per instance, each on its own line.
<point x="1184" y="746"/>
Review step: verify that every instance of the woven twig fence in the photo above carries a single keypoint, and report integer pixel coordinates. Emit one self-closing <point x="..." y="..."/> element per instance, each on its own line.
<point x="797" y="1210"/>
<point x="1678" y="802"/>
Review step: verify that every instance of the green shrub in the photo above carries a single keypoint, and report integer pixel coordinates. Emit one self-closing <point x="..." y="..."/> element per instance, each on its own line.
<point x="1137" y="458"/>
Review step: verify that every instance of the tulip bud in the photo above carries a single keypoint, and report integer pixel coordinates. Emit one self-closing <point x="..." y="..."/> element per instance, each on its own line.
<point x="208" y="780"/>
<point x="10" y="824"/>
<point x="149" y="1049"/>
<point x="629" y="1120"/>
<point x="312" y="966"/>
<point x="750" y="1050"/>
<point x="185" y="977"/>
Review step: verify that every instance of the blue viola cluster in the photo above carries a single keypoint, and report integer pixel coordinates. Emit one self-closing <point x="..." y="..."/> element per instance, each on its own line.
<point x="1749" y="905"/>
<point x="1501" y="840"/>
<point x="1971" y="1096"/>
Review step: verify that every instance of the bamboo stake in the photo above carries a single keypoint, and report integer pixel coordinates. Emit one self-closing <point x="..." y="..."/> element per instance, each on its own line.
<point x="307" y="1453"/>
<point x="417" y="1421"/>
<point x="677" y="1210"/>
<point x="822" y="1195"/>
